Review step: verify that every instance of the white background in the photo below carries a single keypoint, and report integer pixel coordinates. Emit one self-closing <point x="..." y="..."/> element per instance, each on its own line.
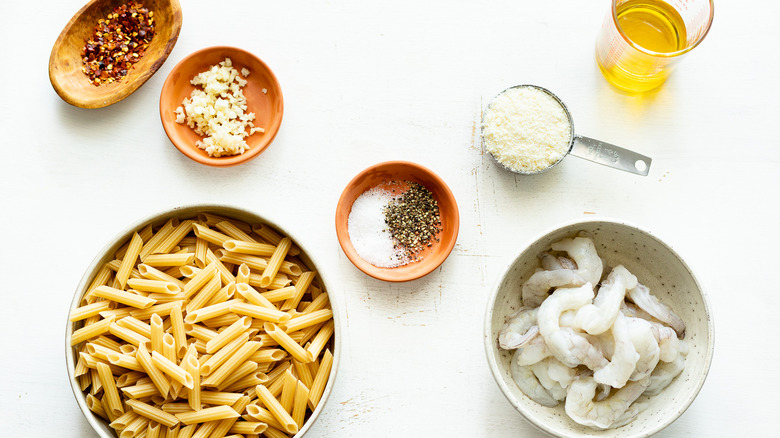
<point x="366" y="82"/>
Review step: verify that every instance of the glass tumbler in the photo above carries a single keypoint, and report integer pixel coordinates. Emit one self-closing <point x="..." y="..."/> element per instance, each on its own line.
<point x="641" y="41"/>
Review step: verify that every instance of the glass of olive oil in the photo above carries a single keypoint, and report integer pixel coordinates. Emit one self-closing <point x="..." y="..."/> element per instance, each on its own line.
<point x="641" y="41"/>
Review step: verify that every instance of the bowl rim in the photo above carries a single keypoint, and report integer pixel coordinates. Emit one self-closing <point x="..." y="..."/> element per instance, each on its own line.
<point x="161" y="215"/>
<point x="489" y="342"/>
<point x="125" y="89"/>
<point x="190" y="151"/>
<point x="384" y="273"/>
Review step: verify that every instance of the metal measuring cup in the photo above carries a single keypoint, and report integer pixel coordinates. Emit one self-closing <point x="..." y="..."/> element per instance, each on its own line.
<point x="585" y="147"/>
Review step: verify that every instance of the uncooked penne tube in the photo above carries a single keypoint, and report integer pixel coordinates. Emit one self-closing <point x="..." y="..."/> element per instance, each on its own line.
<point x="300" y="403"/>
<point x="160" y="381"/>
<point x="153" y="273"/>
<point x="275" y="262"/>
<point x="114" y="403"/>
<point x="320" y="380"/>
<point x="152" y="413"/>
<point x="251" y="248"/>
<point x="173" y="370"/>
<point x="158" y="237"/>
<point x="128" y="262"/>
<point x="264" y="313"/>
<point x="227" y="335"/>
<point x="173" y="239"/>
<point x="286" y="342"/>
<point x="91" y="331"/>
<point x="223" y="355"/>
<point x="158" y="286"/>
<point x="167" y="260"/>
<point x="276" y="409"/>
<point x="209" y="414"/>
<point x="234" y="231"/>
<point x="269" y="235"/>
<point x="308" y="319"/>
<point x="124" y="297"/>
<point x="217" y="376"/>
<point x="300" y="289"/>
<point x="209" y="235"/>
<point x="202" y="296"/>
<point x="93" y="309"/>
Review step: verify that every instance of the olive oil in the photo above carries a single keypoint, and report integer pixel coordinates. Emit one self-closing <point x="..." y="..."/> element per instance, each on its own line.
<point x="653" y="25"/>
<point x="657" y="33"/>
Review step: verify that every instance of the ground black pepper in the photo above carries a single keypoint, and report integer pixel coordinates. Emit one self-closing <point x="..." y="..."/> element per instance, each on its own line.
<point x="117" y="43"/>
<point x="413" y="219"/>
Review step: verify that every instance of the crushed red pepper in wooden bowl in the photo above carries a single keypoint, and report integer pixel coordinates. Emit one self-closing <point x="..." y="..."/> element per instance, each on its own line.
<point x="117" y="43"/>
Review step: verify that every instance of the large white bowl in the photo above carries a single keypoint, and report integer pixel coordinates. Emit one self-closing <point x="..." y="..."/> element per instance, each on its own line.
<point x="107" y="254"/>
<point x="657" y="266"/>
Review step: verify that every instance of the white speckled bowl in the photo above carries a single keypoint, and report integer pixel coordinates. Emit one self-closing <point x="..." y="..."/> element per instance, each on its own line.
<point x="107" y="254"/>
<point x="656" y="265"/>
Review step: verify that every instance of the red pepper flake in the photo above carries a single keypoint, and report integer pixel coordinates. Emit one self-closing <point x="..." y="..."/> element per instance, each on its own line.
<point x="118" y="42"/>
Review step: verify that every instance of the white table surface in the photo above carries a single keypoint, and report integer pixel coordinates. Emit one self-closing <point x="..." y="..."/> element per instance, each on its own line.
<point x="366" y="82"/>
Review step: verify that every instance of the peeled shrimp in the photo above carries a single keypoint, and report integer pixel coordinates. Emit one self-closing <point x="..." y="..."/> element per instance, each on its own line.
<point x="551" y="263"/>
<point x="528" y="383"/>
<point x="624" y="357"/>
<point x="635" y="409"/>
<point x="583" y="252"/>
<point x="646" y="301"/>
<point x="644" y="337"/>
<point x="598" y="317"/>
<point x="602" y="414"/>
<point x="554" y="388"/>
<point x="668" y="342"/>
<point x="568" y="346"/>
<point x="665" y="372"/>
<point x="519" y="328"/>
<point x="536" y="289"/>
<point x="532" y="352"/>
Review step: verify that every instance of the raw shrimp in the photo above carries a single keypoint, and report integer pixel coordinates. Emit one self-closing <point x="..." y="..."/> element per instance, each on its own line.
<point x="667" y="341"/>
<point x="519" y="328"/>
<point x="528" y="383"/>
<point x="644" y="336"/>
<point x="665" y="372"/>
<point x="583" y="252"/>
<point x="560" y="372"/>
<point x="603" y="414"/>
<point x="568" y="346"/>
<point x="535" y="290"/>
<point x="551" y="263"/>
<point x="635" y="409"/>
<point x="598" y="317"/>
<point x="554" y="388"/>
<point x="532" y="351"/>
<point x="646" y="301"/>
<point x="603" y="392"/>
<point x="624" y="357"/>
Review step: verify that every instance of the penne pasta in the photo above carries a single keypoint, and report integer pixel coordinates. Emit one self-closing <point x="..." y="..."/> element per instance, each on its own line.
<point x="275" y="262"/>
<point x="152" y="413"/>
<point x="124" y="297"/>
<point x="207" y="415"/>
<point x="190" y="321"/>
<point x="286" y="342"/>
<point x="128" y="262"/>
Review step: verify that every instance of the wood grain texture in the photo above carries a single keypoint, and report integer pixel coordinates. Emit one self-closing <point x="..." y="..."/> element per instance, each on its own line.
<point x="65" y="63"/>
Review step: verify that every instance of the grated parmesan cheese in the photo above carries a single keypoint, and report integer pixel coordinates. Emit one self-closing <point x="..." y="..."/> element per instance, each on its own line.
<point x="217" y="112"/>
<point x="526" y="129"/>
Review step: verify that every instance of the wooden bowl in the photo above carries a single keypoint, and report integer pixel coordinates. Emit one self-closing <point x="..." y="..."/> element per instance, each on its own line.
<point x="65" y="63"/>
<point x="657" y="266"/>
<point x="268" y="107"/>
<point x="386" y="172"/>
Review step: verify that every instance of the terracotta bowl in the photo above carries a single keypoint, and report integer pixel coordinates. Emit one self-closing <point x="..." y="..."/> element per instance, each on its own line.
<point x="107" y="254"/>
<point x="383" y="173"/>
<point x="65" y="63"/>
<point x="657" y="266"/>
<point x="268" y="107"/>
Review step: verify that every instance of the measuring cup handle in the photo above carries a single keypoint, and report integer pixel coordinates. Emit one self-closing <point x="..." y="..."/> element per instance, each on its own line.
<point x="610" y="155"/>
